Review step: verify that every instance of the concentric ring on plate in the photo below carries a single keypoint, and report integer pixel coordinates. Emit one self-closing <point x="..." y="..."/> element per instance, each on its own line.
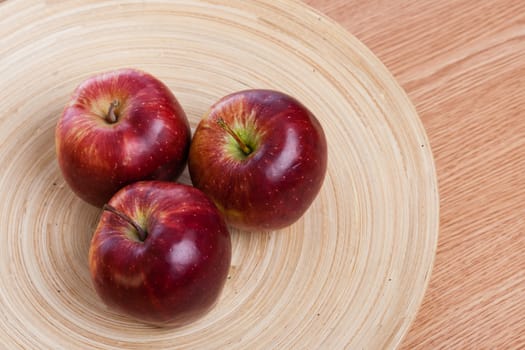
<point x="350" y="274"/>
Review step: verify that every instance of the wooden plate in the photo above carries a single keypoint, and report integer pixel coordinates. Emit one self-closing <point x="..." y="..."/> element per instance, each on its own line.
<point x="350" y="274"/>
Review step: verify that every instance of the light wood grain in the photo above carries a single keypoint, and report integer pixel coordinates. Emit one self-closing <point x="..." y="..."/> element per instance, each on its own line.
<point x="463" y="65"/>
<point x="350" y="274"/>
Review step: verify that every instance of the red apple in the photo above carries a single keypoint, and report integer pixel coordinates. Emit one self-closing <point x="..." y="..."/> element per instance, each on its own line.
<point x="261" y="156"/>
<point x="160" y="253"/>
<point x="120" y="127"/>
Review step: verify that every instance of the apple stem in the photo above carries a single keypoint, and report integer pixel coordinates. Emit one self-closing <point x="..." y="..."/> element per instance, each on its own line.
<point x="141" y="232"/>
<point x="111" y="117"/>
<point x="244" y="147"/>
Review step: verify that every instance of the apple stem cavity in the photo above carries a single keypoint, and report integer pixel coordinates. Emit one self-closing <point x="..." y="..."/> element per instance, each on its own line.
<point x="243" y="146"/>
<point x="111" y="117"/>
<point x="140" y="231"/>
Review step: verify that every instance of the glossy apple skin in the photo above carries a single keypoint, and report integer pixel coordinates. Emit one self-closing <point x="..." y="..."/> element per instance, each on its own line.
<point x="149" y="141"/>
<point x="275" y="184"/>
<point x="177" y="273"/>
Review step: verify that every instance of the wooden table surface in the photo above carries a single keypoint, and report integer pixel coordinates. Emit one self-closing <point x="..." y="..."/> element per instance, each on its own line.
<point x="462" y="64"/>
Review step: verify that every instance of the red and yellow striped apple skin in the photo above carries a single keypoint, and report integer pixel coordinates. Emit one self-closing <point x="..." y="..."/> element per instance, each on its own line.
<point x="274" y="185"/>
<point x="149" y="141"/>
<point x="177" y="273"/>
